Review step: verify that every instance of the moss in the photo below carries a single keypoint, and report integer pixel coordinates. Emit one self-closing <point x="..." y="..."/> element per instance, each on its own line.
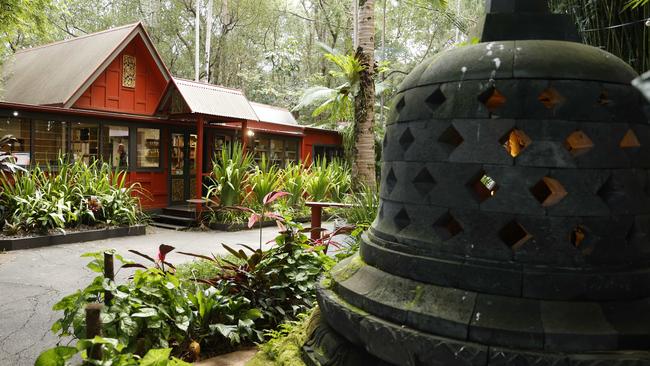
<point x="284" y="347"/>
<point x="347" y="268"/>
<point x="417" y="297"/>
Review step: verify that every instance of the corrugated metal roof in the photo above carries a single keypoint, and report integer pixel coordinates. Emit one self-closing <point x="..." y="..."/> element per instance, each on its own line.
<point x="271" y="114"/>
<point x="52" y="73"/>
<point x="215" y="100"/>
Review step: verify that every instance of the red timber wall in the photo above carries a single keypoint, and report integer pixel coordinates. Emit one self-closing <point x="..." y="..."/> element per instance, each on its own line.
<point x="318" y="137"/>
<point x="108" y="94"/>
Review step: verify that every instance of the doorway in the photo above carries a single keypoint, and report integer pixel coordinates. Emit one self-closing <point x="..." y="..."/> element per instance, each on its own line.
<point x="182" y="167"/>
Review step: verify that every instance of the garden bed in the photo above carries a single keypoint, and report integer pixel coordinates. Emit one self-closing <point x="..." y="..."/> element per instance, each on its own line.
<point x="78" y="236"/>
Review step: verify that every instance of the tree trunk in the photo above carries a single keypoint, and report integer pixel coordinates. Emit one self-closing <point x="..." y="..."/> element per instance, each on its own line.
<point x="363" y="167"/>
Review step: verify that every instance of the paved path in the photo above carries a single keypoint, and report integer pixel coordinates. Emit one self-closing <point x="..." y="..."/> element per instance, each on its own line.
<point x="31" y="281"/>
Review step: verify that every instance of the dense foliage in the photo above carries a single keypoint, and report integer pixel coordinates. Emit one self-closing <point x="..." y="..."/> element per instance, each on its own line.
<point x="70" y="195"/>
<point x="248" y="292"/>
<point x="237" y="182"/>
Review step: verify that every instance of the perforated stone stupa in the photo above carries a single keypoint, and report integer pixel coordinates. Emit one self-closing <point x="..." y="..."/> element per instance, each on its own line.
<point x="515" y="211"/>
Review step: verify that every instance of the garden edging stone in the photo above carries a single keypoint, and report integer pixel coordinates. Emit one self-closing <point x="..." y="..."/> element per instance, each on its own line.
<point x="70" y="237"/>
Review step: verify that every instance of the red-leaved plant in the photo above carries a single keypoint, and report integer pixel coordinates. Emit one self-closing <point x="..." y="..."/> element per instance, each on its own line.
<point x="258" y="217"/>
<point x="160" y="262"/>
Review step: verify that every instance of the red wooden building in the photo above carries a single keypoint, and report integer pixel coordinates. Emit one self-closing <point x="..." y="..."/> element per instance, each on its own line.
<point x="108" y="95"/>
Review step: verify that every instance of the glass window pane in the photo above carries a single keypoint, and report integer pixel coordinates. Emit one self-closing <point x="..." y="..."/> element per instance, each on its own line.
<point x="84" y="141"/>
<point x="50" y="140"/>
<point x="148" y="148"/>
<point x="192" y="154"/>
<point x="20" y="129"/>
<point x="291" y="152"/>
<point x="178" y="154"/>
<point x="261" y="148"/>
<point x="116" y="146"/>
<point x="277" y="151"/>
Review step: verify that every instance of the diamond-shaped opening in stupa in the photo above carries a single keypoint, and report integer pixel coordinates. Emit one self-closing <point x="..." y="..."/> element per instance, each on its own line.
<point x="492" y="99"/>
<point x="515" y="142"/>
<point x="548" y="191"/>
<point x="578" y="143"/>
<point x="483" y="186"/>
<point x="446" y="227"/>
<point x="514" y="235"/>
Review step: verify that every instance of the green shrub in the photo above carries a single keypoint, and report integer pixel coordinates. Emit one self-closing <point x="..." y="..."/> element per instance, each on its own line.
<point x="45" y="198"/>
<point x="112" y="354"/>
<point x="213" y="308"/>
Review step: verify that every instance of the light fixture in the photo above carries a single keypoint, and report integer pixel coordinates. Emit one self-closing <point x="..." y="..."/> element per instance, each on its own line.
<point x="250" y="133"/>
<point x="15" y="113"/>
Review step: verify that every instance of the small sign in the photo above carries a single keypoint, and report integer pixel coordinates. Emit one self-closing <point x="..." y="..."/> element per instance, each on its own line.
<point x="22" y="158"/>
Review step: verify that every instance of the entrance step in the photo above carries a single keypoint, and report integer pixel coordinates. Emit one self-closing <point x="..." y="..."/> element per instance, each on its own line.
<point x="175" y="220"/>
<point x="181" y="211"/>
<point x="168" y="226"/>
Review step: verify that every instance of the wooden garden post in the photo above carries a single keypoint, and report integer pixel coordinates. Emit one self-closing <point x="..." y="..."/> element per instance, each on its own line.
<point x="94" y="329"/>
<point x="109" y="273"/>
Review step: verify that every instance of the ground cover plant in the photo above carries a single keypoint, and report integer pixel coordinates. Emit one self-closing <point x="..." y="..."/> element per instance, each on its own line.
<point x="68" y="196"/>
<point x="210" y="307"/>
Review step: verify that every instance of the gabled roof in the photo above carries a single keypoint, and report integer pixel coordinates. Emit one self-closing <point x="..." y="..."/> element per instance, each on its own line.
<point x="271" y="114"/>
<point x="58" y="73"/>
<point x="215" y="100"/>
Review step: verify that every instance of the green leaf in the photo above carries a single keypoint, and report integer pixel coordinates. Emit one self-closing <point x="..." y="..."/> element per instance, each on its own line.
<point x="252" y="314"/>
<point x="145" y="313"/>
<point x="56" y="356"/>
<point x="156" y="357"/>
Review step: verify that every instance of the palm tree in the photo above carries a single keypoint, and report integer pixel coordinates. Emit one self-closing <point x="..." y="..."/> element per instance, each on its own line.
<point x="363" y="167"/>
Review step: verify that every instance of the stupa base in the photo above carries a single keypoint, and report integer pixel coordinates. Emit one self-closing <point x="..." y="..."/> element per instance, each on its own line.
<point x="349" y="335"/>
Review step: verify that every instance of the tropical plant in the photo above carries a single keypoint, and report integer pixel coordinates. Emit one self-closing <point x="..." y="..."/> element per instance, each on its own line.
<point x="280" y="282"/>
<point x="364" y="204"/>
<point x="264" y="179"/>
<point x="112" y="353"/>
<point x="318" y="183"/>
<point x="341" y="179"/>
<point x="337" y="102"/>
<point x="74" y="194"/>
<point x="230" y="174"/>
<point x="294" y="181"/>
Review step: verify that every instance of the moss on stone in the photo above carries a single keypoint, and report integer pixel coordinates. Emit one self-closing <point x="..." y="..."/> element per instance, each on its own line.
<point x="284" y="347"/>
<point x="417" y="297"/>
<point x="347" y="268"/>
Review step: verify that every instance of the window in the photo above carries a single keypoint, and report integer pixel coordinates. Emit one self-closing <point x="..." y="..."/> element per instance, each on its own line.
<point x="277" y="152"/>
<point x="20" y="129"/>
<point x="261" y="148"/>
<point x="115" y="150"/>
<point x="50" y="140"/>
<point x="329" y="152"/>
<point x="84" y="142"/>
<point x="291" y="152"/>
<point x="148" y="148"/>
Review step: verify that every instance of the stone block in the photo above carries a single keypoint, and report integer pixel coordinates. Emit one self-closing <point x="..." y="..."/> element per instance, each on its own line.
<point x="505" y="321"/>
<point x="576" y="327"/>
<point x="482" y="141"/>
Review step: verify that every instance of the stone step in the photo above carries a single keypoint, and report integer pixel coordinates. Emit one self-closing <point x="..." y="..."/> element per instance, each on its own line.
<point x="180" y="211"/>
<point x="169" y="226"/>
<point x="175" y="220"/>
